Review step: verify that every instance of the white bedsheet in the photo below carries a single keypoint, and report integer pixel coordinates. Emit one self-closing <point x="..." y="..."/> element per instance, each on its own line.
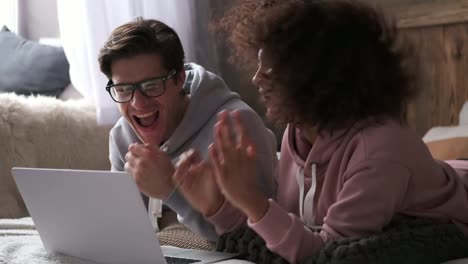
<point x="458" y="261"/>
<point x="20" y="243"/>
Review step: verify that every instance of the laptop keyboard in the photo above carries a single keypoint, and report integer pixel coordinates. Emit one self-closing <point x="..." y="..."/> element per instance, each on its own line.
<point x="172" y="260"/>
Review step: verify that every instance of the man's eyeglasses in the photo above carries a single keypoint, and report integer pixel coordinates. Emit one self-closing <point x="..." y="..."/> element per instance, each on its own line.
<point x="124" y="92"/>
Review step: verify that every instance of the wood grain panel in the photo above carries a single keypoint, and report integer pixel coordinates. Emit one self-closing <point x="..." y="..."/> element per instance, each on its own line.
<point x="442" y="58"/>
<point x="431" y="13"/>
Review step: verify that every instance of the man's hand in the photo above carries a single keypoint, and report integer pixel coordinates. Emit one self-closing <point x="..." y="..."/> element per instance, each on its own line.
<point x="151" y="168"/>
<point x="197" y="183"/>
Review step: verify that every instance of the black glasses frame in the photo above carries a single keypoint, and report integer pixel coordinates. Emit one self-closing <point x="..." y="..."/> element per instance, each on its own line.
<point x="138" y="85"/>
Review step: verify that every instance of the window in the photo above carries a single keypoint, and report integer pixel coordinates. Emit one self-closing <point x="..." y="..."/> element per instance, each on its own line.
<point x="9" y="14"/>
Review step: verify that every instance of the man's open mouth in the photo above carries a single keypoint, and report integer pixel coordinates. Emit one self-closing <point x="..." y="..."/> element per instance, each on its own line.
<point x="147" y="119"/>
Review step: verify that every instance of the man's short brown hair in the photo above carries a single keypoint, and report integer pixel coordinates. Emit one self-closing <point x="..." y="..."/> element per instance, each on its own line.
<point x="140" y="37"/>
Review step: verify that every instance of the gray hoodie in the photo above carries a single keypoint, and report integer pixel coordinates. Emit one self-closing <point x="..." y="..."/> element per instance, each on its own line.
<point x="208" y="96"/>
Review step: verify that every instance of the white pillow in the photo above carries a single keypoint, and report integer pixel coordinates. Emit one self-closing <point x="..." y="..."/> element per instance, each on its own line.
<point x="445" y="132"/>
<point x="56" y="42"/>
<point x="457" y="261"/>
<point x="463" y="119"/>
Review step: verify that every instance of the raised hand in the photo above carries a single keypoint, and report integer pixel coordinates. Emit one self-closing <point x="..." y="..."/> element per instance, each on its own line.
<point x="234" y="159"/>
<point x="151" y="168"/>
<point x="195" y="180"/>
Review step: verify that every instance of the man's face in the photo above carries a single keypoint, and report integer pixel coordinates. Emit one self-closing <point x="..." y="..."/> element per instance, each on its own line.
<point x="153" y="119"/>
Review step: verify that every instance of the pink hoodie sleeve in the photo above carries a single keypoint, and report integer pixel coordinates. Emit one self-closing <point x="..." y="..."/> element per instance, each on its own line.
<point x="285" y="234"/>
<point x="461" y="167"/>
<point x="369" y="198"/>
<point x="227" y="218"/>
<point x="372" y="194"/>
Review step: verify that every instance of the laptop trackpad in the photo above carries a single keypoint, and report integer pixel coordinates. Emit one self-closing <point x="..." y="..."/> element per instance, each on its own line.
<point x="202" y="255"/>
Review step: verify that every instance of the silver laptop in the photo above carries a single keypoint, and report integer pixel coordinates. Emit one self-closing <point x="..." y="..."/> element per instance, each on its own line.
<point x="97" y="216"/>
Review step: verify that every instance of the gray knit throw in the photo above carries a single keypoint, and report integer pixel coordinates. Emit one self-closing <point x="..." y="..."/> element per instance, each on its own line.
<point x="405" y="240"/>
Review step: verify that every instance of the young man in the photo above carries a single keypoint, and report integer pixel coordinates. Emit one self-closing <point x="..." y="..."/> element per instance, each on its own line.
<point x="168" y="108"/>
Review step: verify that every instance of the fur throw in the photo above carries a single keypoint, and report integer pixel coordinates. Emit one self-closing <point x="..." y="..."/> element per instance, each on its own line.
<point x="46" y="132"/>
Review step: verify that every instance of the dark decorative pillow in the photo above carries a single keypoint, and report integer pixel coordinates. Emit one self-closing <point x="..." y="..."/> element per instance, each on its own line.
<point x="28" y="67"/>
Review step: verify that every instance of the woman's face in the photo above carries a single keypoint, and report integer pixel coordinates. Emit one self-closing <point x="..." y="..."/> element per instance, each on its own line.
<point x="264" y="82"/>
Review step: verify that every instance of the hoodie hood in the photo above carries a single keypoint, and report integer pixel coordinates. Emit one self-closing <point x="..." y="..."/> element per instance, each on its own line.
<point x="321" y="151"/>
<point x="207" y="93"/>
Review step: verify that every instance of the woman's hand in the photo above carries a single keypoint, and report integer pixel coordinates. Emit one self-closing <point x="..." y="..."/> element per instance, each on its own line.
<point x="234" y="162"/>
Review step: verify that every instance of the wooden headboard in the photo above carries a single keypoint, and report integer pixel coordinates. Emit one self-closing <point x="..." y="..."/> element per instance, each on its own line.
<point x="439" y="33"/>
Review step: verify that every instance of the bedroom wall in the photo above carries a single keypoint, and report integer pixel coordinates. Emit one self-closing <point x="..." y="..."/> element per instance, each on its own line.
<point x="399" y="3"/>
<point x="38" y="19"/>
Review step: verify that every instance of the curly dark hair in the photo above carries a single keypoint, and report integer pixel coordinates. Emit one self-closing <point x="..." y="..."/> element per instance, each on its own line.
<point x="139" y="37"/>
<point x="334" y="62"/>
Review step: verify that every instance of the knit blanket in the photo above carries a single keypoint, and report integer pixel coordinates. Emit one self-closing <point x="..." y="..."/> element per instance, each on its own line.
<point x="405" y="240"/>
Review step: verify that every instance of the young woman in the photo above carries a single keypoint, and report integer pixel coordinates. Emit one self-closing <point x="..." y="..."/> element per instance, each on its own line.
<point x="332" y="70"/>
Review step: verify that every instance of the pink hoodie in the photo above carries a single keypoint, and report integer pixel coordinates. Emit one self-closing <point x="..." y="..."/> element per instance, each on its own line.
<point x="363" y="178"/>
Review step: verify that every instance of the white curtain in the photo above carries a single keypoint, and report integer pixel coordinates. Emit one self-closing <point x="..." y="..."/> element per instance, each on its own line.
<point x="86" y="24"/>
<point x="9" y="14"/>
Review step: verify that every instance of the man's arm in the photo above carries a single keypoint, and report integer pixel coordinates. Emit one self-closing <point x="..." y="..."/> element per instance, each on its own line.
<point x="115" y="157"/>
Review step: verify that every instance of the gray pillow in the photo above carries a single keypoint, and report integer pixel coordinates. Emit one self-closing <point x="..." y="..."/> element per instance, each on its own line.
<point x="28" y="67"/>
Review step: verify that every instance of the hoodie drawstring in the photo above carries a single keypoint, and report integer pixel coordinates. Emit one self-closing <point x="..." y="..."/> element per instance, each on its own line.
<point x="306" y="204"/>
